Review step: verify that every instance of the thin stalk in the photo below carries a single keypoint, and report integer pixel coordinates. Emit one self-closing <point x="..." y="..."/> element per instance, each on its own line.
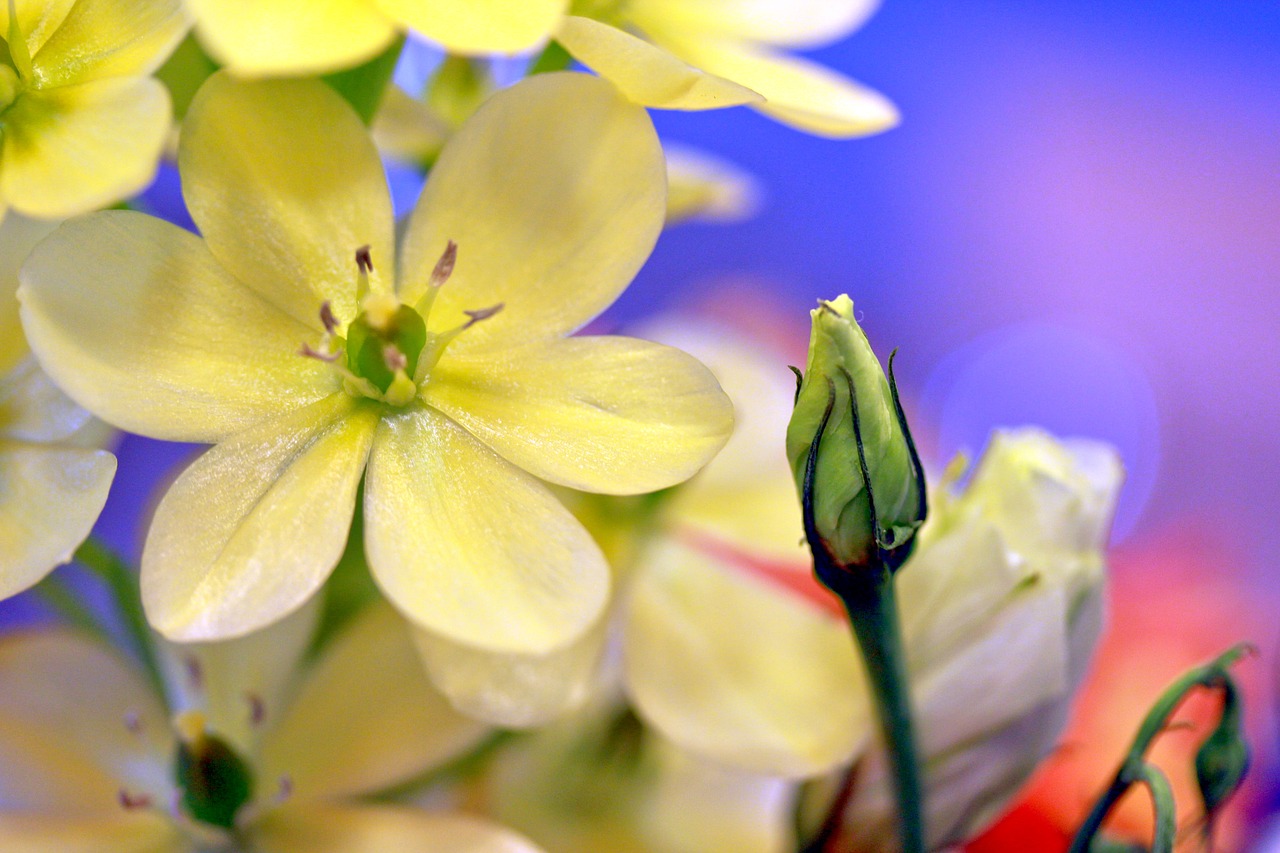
<point x="873" y="614"/>
<point x="62" y="599"/>
<point x="122" y="582"/>
<point x="1134" y="769"/>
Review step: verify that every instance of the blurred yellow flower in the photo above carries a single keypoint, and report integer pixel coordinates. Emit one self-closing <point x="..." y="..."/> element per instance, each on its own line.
<point x="84" y="126"/>
<point x="704" y="54"/>
<point x="87" y="749"/>
<point x="259" y="37"/>
<point x="461" y="388"/>
<point x="1000" y="609"/>
<point x="52" y="483"/>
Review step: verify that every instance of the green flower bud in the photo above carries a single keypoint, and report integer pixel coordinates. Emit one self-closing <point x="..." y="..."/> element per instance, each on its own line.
<point x="848" y="431"/>
<point x="1223" y="759"/>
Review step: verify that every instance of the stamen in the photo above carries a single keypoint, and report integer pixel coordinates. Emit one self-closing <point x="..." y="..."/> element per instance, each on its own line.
<point x="439" y="275"/>
<point x="328" y="357"/>
<point x="195" y="673"/>
<point x="133" y="723"/>
<point x="364" y="262"/>
<point x="285" y="789"/>
<point x="131" y="802"/>
<point x="327" y="318"/>
<point x="257" y="709"/>
<point x="444" y="266"/>
<point x="482" y="314"/>
<point x="437" y="343"/>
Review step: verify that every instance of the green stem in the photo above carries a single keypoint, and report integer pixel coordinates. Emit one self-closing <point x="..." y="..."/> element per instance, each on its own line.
<point x="873" y="615"/>
<point x="553" y="58"/>
<point x="364" y="85"/>
<point x="62" y="599"/>
<point x="1162" y="801"/>
<point x="122" y="582"/>
<point x="1134" y="769"/>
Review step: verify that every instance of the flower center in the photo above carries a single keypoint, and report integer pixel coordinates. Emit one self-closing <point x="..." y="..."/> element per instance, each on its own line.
<point x="389" y="353"/>
<point x="214" y="781"/>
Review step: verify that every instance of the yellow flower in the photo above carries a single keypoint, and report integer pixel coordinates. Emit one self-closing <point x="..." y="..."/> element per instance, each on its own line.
<point x="460" y="387"/>
<point x="90" y="755"/>
<point x="704" y="54"/>
<point x="1000" y="609"/>
<point x="288" y="37"/>
<point x="52" y="484"/>
<point x="84" y="126"/>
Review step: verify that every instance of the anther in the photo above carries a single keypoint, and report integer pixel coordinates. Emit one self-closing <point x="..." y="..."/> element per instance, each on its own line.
<point x="482" y="314"/>
<point x="131" y="802"/>
<point x="133" y="723"/>
<point x="364" y="259"/>
<point x="257" y="709"/>
<point x="284" y="789"/>
<point x="195" y="673"/>
<point x="444" y="266"/>
<point x="307" y="351"/>
<point x="326" y="317"/>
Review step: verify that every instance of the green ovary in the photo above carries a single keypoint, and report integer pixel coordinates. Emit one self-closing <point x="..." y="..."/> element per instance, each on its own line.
<point x="375" y="348"/>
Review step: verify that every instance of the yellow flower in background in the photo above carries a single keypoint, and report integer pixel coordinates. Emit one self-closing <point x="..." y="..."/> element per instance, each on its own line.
<point x="83" y="124"/>
<point x="259" y="37"/>
<point x="92" y="759"/>
<point x="705" y="54"/>
<point x="53" y="481"/>
<point x="1000" y="608"/>
<point x="459" y="389"/>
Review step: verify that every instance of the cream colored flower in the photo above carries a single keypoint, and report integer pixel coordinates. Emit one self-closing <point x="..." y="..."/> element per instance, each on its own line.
<point x="84" y="126"/>
<point x="260" y="37"/>
<point x="1000" y="609"/>
<point x="459" y="387"/>
<point x="52" y="485"/>
<point x="87" y="749"/>
<point x="704" y="54"/>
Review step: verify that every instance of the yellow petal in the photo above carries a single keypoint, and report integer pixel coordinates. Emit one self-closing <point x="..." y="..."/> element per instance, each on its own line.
<point x="645" y="73"/>
<point x="697" y="805"/>
<point x="252" y="529"/>
<point x="33" y="409"/>
<point x="257" y="37"/>
<point x="369" y="674"/>
<point x="37" y="20"/>
<point x="479" y="26"/>
<point x="49" y="499"/>
<point x="110" y="38"/>
<point x="123" y="832"/>
<point x="18" y="236"/>
<point x="77" y="725"/>
<point x="552" y="218"/>
<point x="741" y="672"/>
<point x="602" y="414"/>
<point x="798" y="23"/>
<point x="135" y="320"/>
<point x="285" y="185"/>
<point x="241" y="685"/>
<point x="471" y="547"/>
<point x="407" y="129"/>
<point x="75" y="149"/>
<point x="705" y="189"/>
<point x="512" y="690"/>
<point x="797" y="92"/>
<point x="376" y="829"/>
<point x="746" y="495"/>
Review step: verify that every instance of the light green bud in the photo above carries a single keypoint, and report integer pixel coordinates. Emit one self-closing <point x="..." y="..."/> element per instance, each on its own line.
<point x="848" y="419"/>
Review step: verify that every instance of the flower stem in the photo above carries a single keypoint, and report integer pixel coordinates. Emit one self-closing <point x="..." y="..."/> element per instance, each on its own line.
<point x="873" y="615"/>
<point x="1135" y="769"/>
<point x="63" y="600"/>
<point x="122" y="582"/>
